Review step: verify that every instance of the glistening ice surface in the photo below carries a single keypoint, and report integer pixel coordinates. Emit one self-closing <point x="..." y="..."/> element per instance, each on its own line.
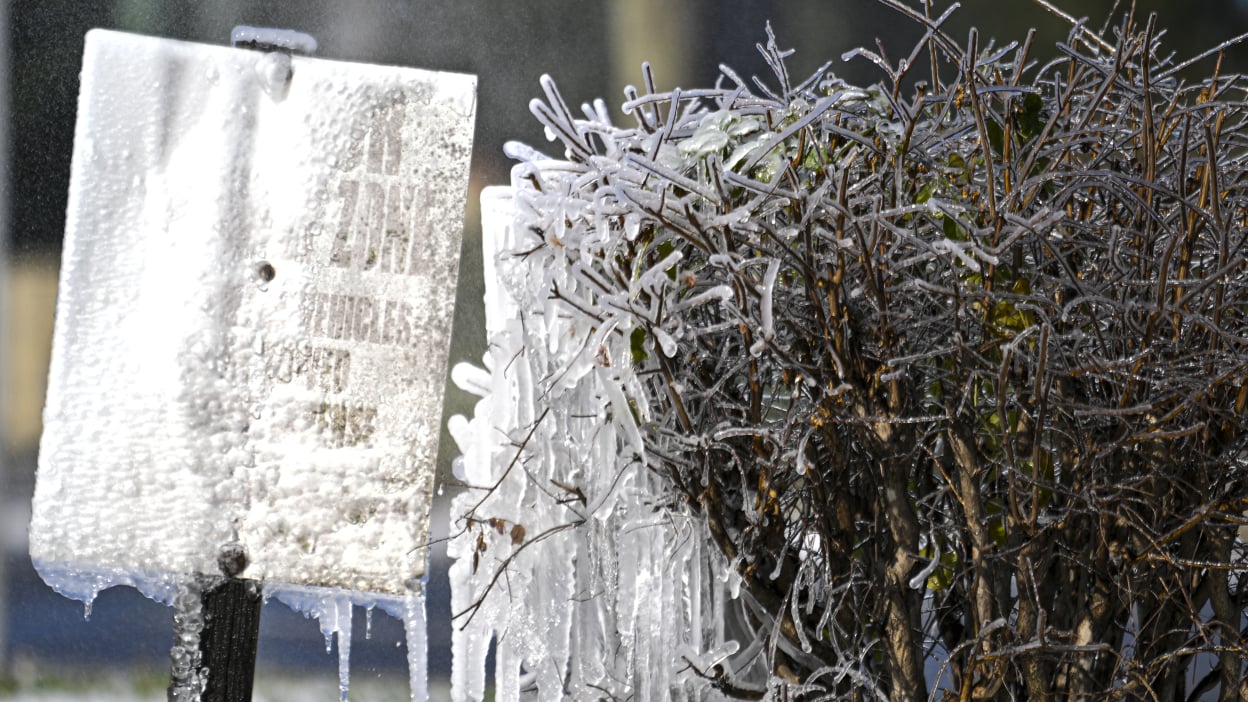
<point x="255" y="305"/>
<point x="560" y="556"/>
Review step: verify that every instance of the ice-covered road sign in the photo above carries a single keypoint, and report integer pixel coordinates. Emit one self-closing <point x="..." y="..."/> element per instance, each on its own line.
<point x="254" y="316"/>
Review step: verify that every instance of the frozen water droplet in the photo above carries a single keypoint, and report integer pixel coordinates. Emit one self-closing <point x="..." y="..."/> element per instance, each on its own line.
<point x="666" y="342"/>
<point x="86" y="610"/>
<point x="274" y="71"/>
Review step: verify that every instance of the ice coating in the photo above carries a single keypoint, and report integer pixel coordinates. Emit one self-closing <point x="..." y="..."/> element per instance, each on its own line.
<point x="274" y="72"/>
<point x="255" y="300"/>
<point x="604" y="597"/>
<point x="255" y="304"/>
<point x="187" y="677"/>
<point x="273" y="38"/>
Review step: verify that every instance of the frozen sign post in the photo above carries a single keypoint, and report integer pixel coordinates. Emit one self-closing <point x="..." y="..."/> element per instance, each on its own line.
<point x="251" y="338"/>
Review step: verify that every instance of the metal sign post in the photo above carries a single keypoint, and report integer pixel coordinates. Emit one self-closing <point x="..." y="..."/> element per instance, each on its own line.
<point x="252" y="326"/>
<point x="216" y="631"/>
<point x="229" y="639"/>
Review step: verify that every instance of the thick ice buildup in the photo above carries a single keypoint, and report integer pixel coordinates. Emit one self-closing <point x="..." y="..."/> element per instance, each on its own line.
<point x="561" y="558"/>
<point x="273" y="38"/>
<point x="255" y="305"/>
<point x="187" y="676"/>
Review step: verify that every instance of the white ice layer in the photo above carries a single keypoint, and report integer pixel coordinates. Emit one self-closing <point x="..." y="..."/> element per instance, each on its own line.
<point x="253" y="318"/>
<point x="253" y="321"/>
<point x="587" y="591"/>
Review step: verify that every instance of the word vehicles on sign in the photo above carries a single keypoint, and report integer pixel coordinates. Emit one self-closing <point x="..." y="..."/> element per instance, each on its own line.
<point x="253" y="319"/>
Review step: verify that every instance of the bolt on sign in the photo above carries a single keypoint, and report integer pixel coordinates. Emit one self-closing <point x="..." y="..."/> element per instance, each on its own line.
<point x="253" y="318"/>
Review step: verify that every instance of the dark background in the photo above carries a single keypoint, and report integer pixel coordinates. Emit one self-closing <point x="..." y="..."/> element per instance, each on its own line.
<point x="591" y="47"/>
<point x="508" y="45"/>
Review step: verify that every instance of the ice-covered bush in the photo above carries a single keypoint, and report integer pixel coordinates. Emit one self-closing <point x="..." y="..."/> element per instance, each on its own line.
<point x="932" y="384"/>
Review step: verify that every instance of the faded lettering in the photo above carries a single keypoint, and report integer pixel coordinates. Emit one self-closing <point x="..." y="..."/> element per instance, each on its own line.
<point x="382" y="228"/>
<point x="320" y="368"/>
<point x="358" y="318"/>
<point x="344" y="424"/>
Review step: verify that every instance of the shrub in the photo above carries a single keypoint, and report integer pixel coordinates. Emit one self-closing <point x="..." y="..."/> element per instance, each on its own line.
<point x="950" y="368"/>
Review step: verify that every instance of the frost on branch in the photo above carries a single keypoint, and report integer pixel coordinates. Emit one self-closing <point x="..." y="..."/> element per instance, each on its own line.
<point x="586" y="583"/>
<point x="878" y="391"/>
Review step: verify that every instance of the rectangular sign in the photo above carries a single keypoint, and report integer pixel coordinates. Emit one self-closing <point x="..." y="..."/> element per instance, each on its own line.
<point x="253" y="318"/>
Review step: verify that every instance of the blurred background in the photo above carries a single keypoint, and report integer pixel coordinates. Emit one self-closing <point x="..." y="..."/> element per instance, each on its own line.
<point x="593" y="48"/>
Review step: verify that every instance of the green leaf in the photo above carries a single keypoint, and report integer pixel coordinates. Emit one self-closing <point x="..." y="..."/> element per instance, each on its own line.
<point x="925" y="193"/>
<point x="952" y="230"/>
<point x="665" y="249"/>
<point x="815" y="158"/>
<point x="956" y="161"/>
<point x="1043" y="478"/>
<point x="996" y="137"/>
<point x="637" y="344"/>
<point x="942" y="576"/>
<point x="996" y="523"/>
<point x="996" y="530"/>
<point x="1030" y="116"/>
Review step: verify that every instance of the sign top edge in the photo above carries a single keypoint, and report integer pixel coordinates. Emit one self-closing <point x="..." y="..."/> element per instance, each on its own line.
<point x="100" y="36"/>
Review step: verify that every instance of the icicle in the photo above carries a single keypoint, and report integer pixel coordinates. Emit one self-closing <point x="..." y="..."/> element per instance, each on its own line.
<point x="332" y="610"/>
<point x="507" y="677"/>
<point x="86" y="585"/>
<point x="74" y="584"/>
<point x="470" y="378"/>
<point x="414" y="627"/>
<point x="599" y="609"/>
<point x="344" y="649"/>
